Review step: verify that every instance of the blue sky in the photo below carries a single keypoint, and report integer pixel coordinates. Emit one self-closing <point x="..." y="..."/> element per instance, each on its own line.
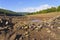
<point x="28" y="5"/>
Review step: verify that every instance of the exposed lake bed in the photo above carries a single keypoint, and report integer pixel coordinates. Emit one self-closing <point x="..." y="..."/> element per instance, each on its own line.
<point x="33" y="29"/>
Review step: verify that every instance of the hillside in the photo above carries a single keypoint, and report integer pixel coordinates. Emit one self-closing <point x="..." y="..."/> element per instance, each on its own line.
<point x="11" y="13"/>
<point x="45" y="16"/>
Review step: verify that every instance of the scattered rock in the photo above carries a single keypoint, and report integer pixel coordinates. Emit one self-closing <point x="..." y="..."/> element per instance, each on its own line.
<point x="32" y="28"/>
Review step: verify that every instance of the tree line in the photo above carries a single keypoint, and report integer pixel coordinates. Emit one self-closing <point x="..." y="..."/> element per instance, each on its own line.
<point x="48" y="10"/>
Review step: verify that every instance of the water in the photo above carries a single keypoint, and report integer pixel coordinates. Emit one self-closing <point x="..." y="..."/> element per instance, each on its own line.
<point x="35" y="20"/>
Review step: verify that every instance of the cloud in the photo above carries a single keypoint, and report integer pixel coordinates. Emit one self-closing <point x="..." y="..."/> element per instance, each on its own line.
<point x="31" y="9"/>
<point x="34" y="9"/>
<point x="2" y="8"/>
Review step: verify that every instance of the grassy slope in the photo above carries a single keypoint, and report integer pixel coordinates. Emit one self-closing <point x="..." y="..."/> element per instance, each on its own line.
<point x="44" y="16"/>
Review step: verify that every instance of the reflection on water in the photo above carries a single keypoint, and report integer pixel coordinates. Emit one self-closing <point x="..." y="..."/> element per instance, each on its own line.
<point x="35" y="20"/>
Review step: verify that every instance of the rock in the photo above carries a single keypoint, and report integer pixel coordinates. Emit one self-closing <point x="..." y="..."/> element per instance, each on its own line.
<point x="18" y="36"/>
<point x="58" y="27"/>
<point x="55" y="22"/>
<point x="48" y="30"/>
<point x="6" y="23"/>
<point x="34" y="39"/>
<point x="53" y="35"/>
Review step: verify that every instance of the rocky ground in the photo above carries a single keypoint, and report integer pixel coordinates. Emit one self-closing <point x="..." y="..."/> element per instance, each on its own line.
<point x="30" y="30"/>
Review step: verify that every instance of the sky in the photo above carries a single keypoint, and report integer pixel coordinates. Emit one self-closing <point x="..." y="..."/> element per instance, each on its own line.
<point x="28" y="5"/>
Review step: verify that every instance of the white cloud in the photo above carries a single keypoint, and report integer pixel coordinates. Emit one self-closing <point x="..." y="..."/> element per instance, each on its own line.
<point x="34" y="9"/>
<point x="2" y="8"/>
<point x="31" y="9"/>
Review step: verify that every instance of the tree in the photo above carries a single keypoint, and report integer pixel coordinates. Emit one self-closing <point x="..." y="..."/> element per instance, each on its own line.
<point x="58" y="8"/>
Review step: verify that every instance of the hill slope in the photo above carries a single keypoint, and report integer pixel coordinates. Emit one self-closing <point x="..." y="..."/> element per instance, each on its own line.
<point x="44" y="16"/>
<point x="11" y="13"/>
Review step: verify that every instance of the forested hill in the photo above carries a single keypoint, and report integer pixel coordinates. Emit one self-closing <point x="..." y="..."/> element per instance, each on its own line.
<point x="11" y="13"/>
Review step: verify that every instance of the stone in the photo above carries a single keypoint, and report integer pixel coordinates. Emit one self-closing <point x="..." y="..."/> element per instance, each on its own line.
<point x="58" y="27"/>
